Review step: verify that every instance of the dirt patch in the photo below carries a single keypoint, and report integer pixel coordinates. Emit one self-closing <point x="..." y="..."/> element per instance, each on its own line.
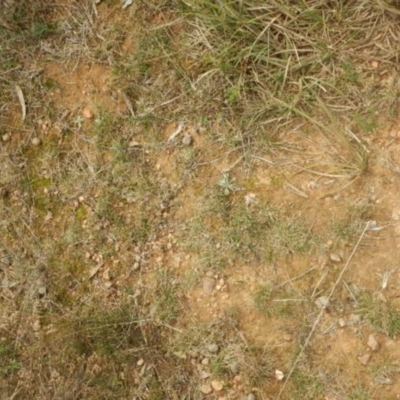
<point x="165" y="236"/>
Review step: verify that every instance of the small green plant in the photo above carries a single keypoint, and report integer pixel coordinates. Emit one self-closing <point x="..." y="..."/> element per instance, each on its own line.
<point x="227" y="184"/>
<point x="305" y="384"/>
<point x="79" y="120"/>
<point x="359" y="393"/>
<point x="232" y="95"/>
<point x="262" y="296"/>
<point x="166" y="297"/>
<point x="381" y="315"/>
<point x="9" y="362"/>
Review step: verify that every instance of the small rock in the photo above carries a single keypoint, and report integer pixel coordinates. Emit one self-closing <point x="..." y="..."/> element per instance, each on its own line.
<point x="180" y="354"/>
<point x="342" y="322"/>
<point x="6" y="137"/>
<point x="279" y="375"/>
<point x="87" y="113"/>
<point x="234" y="367"/>
<point x="217" y="385"/>
<point x="396" y="214"/>
<point x="42" y="291"/>
<point x="354" y="319"/>
<point x="136" y="266"/>
<point x="374" y="64"/>
<point x="208" y="285"/>
<point x="322" y="302"/>
<point x="204" y="375"/>
<point x="205" y="361"/>
<point x="335" y="258"/>
<point x="36" y="141"/>
<point x="250" y="396"/>
<point x="364" y="359"/>
<point x="134" y="143"/>
<point x="213" y="348"/>
<point x="372" y="343"/>
<point x="287" y="337"/>
<point x="36" y="326"/>
<point x="206" y="388"/>
<point x="187" y="140"/>
<point x="140" y="362"/>
<point x="48" y="216"/>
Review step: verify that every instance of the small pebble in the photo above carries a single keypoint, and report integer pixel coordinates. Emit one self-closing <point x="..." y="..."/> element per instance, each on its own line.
<point x="322" y="302"/>
<point x="204" y="375"/>
<point x="187" y="140"/>
<point x="279" y="375"/>
<point x="372" y="343"/>
<point x="205" y="361"/>
<point x="208" y="285"/>
<point x="213" y="348"/>
<point x="36" y="141"/>
<point x="217" y="385"/>
<point x="134" y="143"/>
<point x="335" y="258"/>
<point x="287" y="337"/>
<point x="87" y="113"/>
<point x="364" y="359"/>
<point x="206" y="388"/>
<point x="354" y="319"/>
<point x="6" y="137"/>
<point x="234" y="367"/>
<point x="250" y="396"/>
<point x="42" y="291"/>
<point x="136" y="266"/>
<point x="342" y="322"/>
<point x="36" y="326"/>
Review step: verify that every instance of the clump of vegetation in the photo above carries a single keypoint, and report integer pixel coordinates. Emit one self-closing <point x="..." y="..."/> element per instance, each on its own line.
<point x="383" y="316"/>
<point x="103" y="214"/>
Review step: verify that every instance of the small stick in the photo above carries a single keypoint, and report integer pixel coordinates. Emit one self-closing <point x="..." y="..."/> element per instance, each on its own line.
<point x="21" y="101"/>
<point x="321" y="313"/>
<point x="296" y="190"/>
<point x="295" y="278"/>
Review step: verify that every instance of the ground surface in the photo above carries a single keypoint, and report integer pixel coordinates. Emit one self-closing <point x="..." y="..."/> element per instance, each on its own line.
<point x="172" y="228"/>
